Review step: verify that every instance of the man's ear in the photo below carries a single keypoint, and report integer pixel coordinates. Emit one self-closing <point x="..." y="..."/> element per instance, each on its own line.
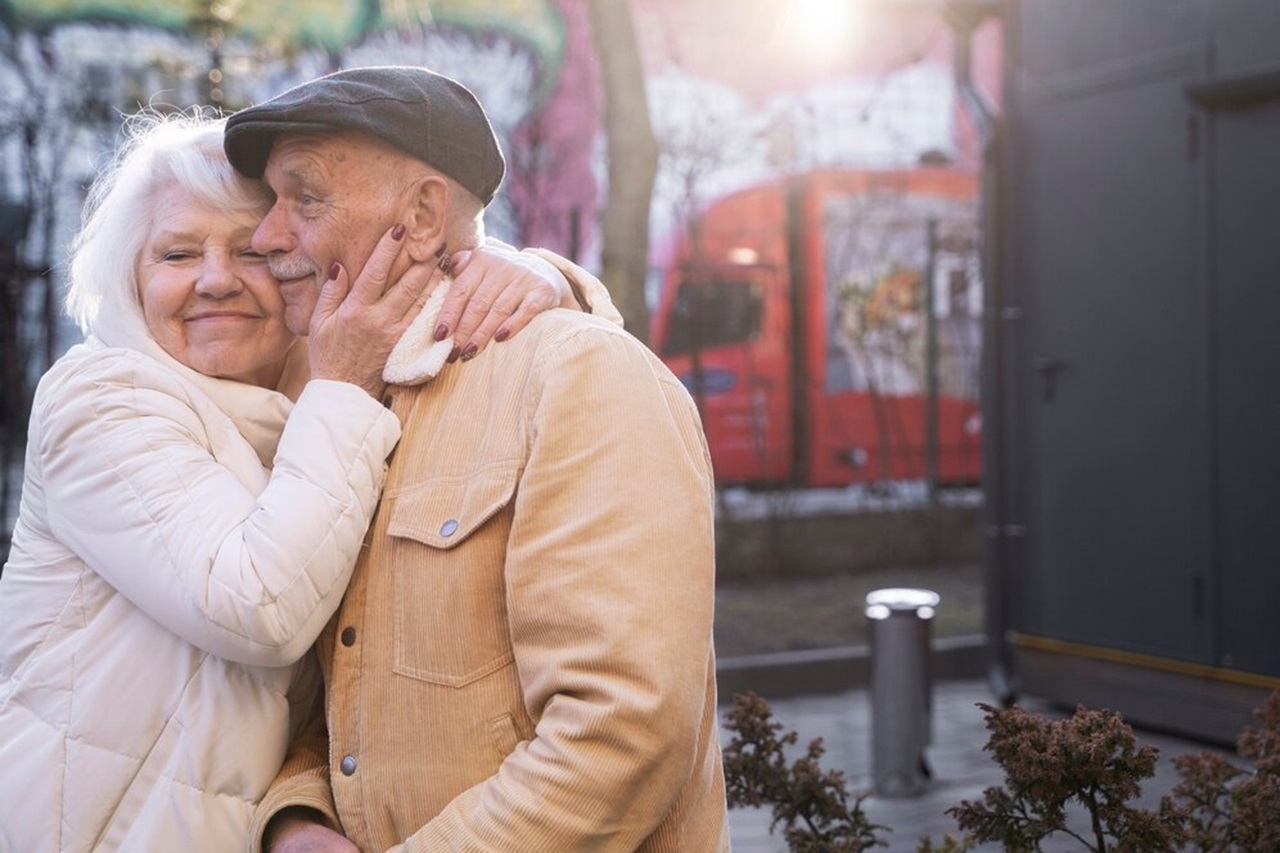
<point x="427" y="218"/>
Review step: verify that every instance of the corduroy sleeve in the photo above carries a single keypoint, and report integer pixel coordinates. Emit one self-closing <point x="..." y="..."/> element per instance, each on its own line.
<point x="302" y="781"/>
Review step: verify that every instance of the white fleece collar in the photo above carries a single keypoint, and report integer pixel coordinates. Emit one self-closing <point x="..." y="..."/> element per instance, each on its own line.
<point x="417" y="356"/>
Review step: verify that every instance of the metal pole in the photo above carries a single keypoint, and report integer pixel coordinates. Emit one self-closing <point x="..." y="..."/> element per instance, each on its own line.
<point x="901" y="689"/>
<point x="931" y="365"/>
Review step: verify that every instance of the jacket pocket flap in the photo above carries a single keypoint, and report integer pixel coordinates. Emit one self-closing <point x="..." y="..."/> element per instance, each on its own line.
<point x="444" y="511"/>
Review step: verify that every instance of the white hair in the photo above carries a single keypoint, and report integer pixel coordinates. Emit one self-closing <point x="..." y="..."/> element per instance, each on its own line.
<point x="160" y="151"/>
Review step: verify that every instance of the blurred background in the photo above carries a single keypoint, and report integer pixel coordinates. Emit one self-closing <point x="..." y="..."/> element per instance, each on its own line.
<point x="973" y="295"/>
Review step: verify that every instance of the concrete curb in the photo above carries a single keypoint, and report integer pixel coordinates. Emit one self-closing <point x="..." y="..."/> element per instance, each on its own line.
<point x="786" y="674"/>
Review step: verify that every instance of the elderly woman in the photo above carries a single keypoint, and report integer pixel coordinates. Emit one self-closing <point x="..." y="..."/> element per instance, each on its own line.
<point x="179" y="544"/>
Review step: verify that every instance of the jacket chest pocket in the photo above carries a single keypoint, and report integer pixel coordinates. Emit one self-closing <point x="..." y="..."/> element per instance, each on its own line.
<point x="448" y="540"/>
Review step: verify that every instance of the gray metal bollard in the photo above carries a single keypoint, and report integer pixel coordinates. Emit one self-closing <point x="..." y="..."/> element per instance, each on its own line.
<point x="901" y="689"/>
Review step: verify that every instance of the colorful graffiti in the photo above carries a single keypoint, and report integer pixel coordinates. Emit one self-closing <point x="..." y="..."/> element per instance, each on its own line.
<point x="738" y="93"/>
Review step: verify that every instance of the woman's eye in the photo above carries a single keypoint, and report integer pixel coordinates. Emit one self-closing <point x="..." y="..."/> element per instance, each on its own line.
<point x="250" y="255"/>
<point x="176" y="255"/>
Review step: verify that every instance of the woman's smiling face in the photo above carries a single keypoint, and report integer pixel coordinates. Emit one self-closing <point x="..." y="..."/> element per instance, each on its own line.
<point x="208" y="299"/>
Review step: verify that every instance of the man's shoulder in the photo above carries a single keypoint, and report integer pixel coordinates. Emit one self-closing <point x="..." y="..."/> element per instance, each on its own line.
<point x="564" y="326"/>
<point x="565" y="340"/>
<point x="560" y="337"/>
<point x="571" y="318"/>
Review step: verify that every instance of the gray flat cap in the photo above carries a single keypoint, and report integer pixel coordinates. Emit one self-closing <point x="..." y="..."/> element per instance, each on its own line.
<point x="425" y="114"/>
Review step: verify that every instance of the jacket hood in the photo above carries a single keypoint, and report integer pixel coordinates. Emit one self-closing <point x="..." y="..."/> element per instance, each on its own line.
<point x="259" y="413"/>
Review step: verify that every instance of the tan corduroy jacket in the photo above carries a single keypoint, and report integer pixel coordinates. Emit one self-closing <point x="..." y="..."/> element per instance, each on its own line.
<point x="523" y="661"/>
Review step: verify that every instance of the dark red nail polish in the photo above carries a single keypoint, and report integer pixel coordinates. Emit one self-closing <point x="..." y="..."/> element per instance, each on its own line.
<point x="334" y="269"/>
<point x="502" y="334"/>
<point x="454" y="353"/>
<point x="469" y="352"/>
<point x="397" y="233"/>
<point x="442" y="332"/>
<point x="440" y="252"/>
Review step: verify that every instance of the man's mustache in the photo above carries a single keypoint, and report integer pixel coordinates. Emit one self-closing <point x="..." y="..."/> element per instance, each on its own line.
<point x="285" y="267"/>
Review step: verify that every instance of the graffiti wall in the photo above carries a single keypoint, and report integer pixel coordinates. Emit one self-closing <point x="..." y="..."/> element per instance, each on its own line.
<point x="741" y="93"/>
<point x="747" y="91"/>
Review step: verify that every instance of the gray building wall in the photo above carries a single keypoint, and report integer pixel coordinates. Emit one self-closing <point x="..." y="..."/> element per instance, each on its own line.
<point x="1139" y="266"/>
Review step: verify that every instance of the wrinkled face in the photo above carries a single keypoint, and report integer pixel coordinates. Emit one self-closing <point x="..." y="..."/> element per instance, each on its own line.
<point x="331" y="205"/>
<point x="208" y="298"/>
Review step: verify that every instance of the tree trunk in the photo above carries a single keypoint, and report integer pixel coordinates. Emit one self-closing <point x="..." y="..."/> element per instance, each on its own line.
<point x="633" y="163"/>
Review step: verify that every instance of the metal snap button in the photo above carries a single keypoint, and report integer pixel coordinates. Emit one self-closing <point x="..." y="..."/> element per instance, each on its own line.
<point x="348" y="765"/>
<point x="449" y="527"/>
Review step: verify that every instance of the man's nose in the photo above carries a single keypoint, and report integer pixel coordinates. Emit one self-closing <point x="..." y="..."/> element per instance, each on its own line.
<point x="271" y="235"/>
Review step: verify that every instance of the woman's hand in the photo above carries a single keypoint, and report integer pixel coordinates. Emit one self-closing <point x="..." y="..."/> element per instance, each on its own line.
<point x="496" y="291"/>
<point x="357" y="324"/>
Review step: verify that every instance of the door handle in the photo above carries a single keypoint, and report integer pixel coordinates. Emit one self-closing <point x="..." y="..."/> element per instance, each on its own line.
<point x="1048" y="367"/>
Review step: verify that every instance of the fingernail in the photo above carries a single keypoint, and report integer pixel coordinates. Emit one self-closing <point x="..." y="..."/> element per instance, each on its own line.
<point x="446" y="264"/>
<point x="334" y="269"/>
<point x="397" y="233"/>
<point x="453" y="354"/>
<point x="502" y="334"/>
<point x="469" y="352"/>
<point x="442" y="332"/>
<point x="440" y="252"/>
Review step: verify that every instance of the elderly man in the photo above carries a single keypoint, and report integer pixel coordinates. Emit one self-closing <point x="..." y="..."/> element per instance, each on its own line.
<point x="523" y="660"/>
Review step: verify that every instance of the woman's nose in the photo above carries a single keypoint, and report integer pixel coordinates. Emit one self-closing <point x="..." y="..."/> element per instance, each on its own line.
<point x="218" y="277"/>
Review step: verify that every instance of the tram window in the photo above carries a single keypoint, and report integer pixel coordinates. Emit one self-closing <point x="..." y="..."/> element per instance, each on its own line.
<point x="714" y="313"/>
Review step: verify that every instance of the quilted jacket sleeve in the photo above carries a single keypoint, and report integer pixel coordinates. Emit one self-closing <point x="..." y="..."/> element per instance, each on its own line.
<point x="149" y="488"/>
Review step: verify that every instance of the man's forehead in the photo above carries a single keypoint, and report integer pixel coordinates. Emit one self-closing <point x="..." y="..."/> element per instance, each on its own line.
<point x="329" y="147"/>
<point x="295" y="159"/>
<point x="303" y="147"/>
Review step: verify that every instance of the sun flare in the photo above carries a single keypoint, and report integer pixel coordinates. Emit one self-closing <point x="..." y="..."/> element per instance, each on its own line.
<point x="823" y="26"/>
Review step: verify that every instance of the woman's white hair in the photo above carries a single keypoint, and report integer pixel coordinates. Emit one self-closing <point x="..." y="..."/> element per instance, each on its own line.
<point x="183" y="149"/>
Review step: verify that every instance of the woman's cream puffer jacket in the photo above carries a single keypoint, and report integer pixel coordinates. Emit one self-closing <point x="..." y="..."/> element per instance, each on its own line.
<point x="170" y="568"/>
